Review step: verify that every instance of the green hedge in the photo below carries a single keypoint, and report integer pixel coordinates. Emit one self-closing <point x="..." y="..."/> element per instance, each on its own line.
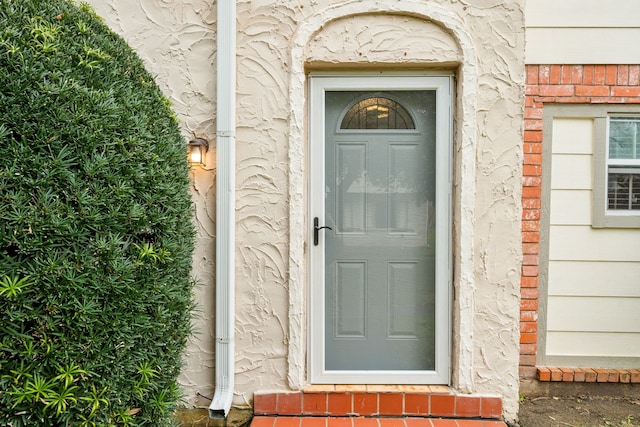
<point x="96" y="236"/>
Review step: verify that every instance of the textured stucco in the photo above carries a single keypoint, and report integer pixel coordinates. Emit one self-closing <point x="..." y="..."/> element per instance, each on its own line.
<point x="481" y="41"/>
<point x="381" y="39"/>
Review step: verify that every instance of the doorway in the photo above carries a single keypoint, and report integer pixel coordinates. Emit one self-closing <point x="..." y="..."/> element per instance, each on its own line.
<point x="379" y="217"/>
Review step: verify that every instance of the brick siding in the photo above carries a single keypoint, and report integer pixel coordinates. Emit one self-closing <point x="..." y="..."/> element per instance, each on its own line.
<point x="578" y="84"/>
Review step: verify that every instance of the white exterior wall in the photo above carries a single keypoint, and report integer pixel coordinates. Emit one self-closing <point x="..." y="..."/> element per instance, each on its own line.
<point x="482" y="42"/>
<point x="582" y="31"/>
<point x="593" y="305"/>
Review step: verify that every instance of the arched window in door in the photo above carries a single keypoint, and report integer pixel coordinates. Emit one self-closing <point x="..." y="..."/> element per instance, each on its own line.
<point x="377" y="113"/>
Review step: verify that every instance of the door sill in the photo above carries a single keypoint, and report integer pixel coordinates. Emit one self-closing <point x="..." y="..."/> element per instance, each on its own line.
<point x="376" y="388"/>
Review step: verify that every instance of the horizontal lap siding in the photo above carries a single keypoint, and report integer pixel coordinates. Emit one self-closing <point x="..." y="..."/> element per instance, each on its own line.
<point x="571" y="172"/>
<point x="593" y="308"/>
<point x="594" y="344"/>
<point x="581" y="13"/>
<point x="583" y="243"/>
<point x="571" y="207"/>
<point x="573" y="136"/>
<point x="582" y="32"/>
<point x="582" y="45"/>
<point x="579" y="278"/>
<point x="594" y="314"/>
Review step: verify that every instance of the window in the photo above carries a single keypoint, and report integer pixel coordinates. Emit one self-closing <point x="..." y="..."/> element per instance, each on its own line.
<point x="377" y="113"/>
<point x="616" y="178"/>
<point x="623" y="164"/>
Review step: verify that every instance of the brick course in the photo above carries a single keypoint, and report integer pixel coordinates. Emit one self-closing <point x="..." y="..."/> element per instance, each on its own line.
<point x="377" y="404"/>
<point x="558" y="83"/>
<point x="600" y="375"/>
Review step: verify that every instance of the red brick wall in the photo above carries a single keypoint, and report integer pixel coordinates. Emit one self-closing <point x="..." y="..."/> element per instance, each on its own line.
<point x="584" y="84"/>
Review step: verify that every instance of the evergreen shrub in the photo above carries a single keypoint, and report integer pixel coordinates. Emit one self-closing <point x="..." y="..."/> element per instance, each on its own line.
<point x="96" y="236"/>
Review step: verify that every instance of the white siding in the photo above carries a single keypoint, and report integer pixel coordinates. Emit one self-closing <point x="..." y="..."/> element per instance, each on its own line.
<point x="594" y="344"/>
<point x="571" y="172"/>
<point x="571" y="207"/>
<point x="581" y="13"/>
<point x="583" y="243"/>
<point x="571" y="195"/>
<point x="593" y="297"/>
<point x="594" y="314"/>
<point x="582" y="45"/>
<point x="582" y="31"/>
<point x="579" y="278"/>
<point x="573" y="136"/>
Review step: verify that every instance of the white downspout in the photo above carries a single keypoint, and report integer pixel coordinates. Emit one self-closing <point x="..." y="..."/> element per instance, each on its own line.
<point x="225" y="208"/>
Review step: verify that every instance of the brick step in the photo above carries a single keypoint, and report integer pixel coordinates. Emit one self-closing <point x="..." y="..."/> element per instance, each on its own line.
<point x="290" y="421"/>
<point x="377" y="404"/>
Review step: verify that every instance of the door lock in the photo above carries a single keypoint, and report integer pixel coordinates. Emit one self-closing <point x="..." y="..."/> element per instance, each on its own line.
<point x="316" y="229"/>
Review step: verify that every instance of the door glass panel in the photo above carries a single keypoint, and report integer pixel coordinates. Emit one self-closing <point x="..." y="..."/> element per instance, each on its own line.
<point x="377" y="113"/>
<point x="350" y="183"/>
<point x="406" y="213"/>
<point x="380" y="253"/>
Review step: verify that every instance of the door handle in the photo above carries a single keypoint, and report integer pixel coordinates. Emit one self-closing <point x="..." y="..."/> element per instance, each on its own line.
<point x="316" y="229"/>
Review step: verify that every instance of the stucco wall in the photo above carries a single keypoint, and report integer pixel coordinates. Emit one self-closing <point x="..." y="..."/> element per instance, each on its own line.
<point x="482" y="41"/>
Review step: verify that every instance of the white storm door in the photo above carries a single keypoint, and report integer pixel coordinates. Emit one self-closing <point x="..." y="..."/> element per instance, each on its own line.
<point x="379" y="229"/>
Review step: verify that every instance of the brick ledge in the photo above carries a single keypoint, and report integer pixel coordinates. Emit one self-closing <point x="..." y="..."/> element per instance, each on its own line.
<point x="587" y="375"/>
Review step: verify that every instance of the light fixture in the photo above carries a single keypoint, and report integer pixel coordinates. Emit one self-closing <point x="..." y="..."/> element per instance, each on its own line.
<point x="198" y="148"/>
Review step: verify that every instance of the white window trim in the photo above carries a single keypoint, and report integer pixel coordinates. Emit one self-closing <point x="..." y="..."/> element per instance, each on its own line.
<point x="319" y="84"/>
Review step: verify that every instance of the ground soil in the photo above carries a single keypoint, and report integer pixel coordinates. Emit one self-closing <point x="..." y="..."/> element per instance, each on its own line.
<point x="579" y="410"/>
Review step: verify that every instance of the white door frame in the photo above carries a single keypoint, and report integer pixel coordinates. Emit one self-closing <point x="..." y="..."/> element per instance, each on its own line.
<point x="319" y="83"/>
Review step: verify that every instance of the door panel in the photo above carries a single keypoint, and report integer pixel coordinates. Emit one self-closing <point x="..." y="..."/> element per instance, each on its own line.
<point x="404" y="291"/>
<point x="377" y="203"/>
<point x="379" y="297"/>
<point x="349" y="301"/>
<point x="350" y="160"/>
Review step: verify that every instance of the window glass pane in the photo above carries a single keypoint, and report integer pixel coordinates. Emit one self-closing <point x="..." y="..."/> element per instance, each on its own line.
<point x="377" y="113"/>
<point x="623" y="191"/>
<point x="624" y="133"/>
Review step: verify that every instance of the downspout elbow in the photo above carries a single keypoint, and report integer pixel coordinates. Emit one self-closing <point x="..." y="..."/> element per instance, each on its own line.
<point x="223" y="396"/>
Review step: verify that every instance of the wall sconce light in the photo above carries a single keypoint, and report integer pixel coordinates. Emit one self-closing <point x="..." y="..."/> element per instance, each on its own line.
<point x="198" y="148"/>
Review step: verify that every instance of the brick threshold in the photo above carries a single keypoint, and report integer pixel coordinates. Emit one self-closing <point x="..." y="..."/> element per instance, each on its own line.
<point x="587" y="375"/>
